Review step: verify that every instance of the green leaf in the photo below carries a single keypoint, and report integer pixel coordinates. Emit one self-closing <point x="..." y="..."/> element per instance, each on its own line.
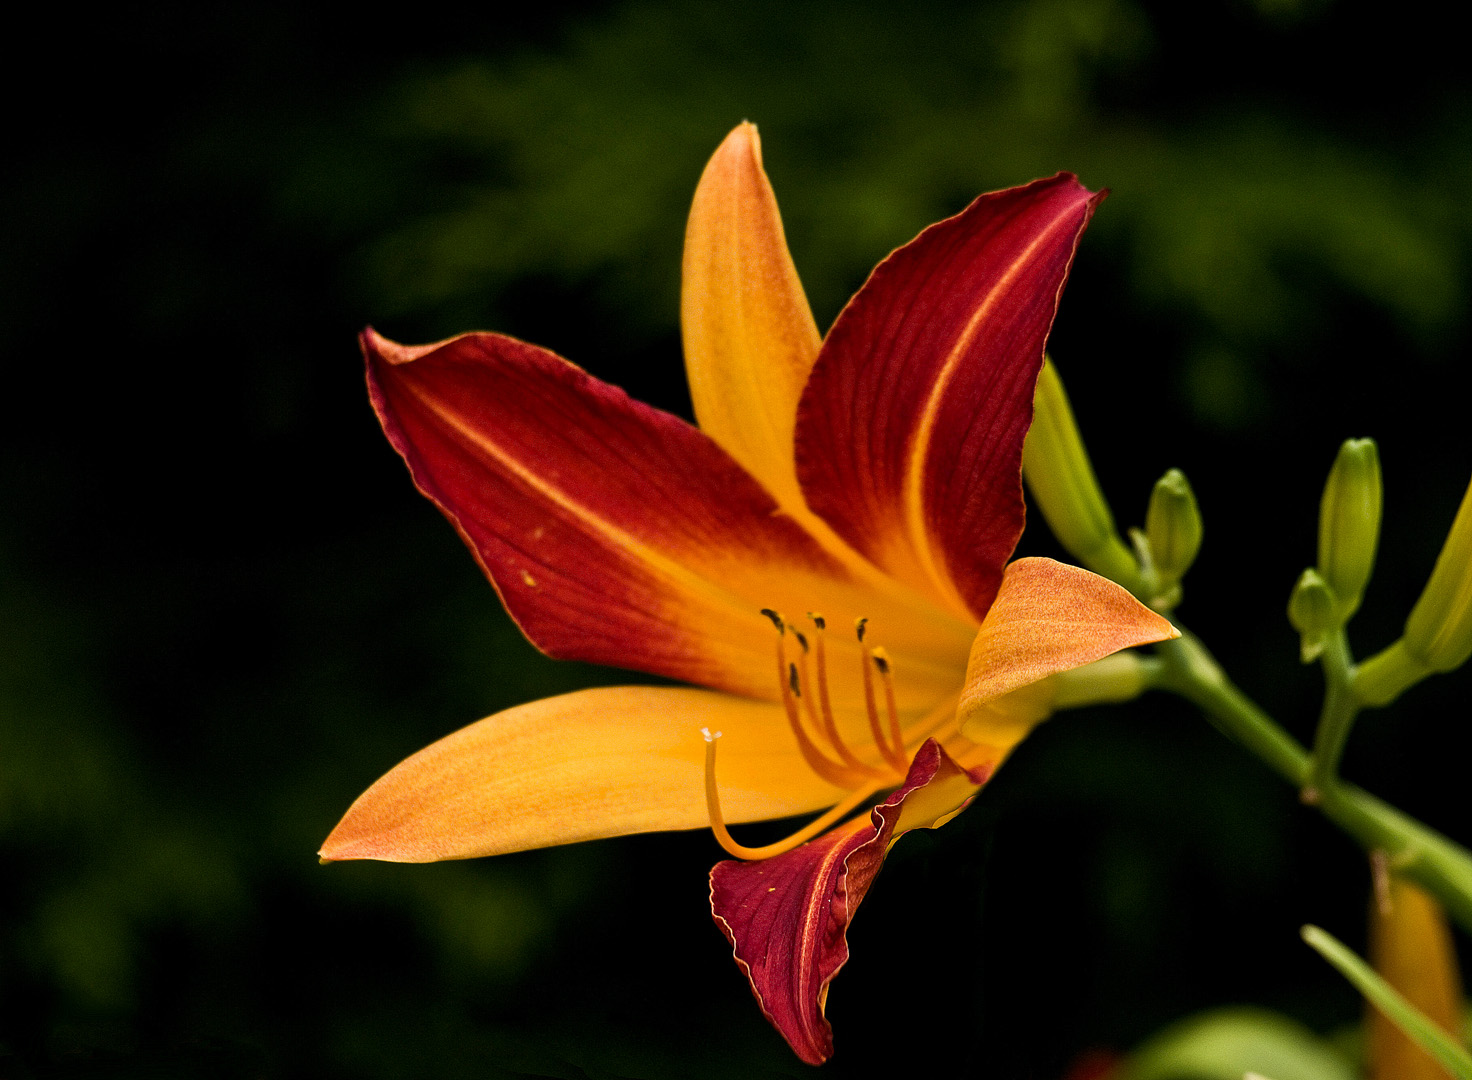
<point x="1225" y="1044"/>
<point x="1449" y="1053"/>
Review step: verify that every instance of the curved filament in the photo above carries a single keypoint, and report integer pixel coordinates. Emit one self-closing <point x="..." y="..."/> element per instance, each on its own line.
<point x="740" y="851"/>
<point x="893" y="754"/>
<point x="826" y="722"/>
<point x="897" y="740"/>
<point x="787" y="680"/>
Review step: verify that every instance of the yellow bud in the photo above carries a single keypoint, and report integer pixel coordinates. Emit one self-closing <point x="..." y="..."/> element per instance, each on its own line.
<point x="1411" y="948"/>
<point x="1439" y="630"/>
<point x="1349" y="523"/>
<point x="1063" y="486"/>
<point x="1172" y="529"/>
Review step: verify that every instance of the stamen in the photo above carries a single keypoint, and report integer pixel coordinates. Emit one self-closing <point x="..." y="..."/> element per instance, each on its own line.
<point x="797" y="680"/>
<point x="897" y="740"/>
<point x="787" y="679"/>
<point x="829" y="725"/>
<point x="804" y="679"/>
<point x="894" y="755"/>
<point x="766" y="851"/>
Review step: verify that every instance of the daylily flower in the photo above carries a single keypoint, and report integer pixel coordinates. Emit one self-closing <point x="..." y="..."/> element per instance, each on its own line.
<point x="827" y="553"/>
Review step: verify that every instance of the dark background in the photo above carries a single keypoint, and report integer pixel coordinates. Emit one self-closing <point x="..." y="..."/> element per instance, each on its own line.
<point x="224" y="610"/>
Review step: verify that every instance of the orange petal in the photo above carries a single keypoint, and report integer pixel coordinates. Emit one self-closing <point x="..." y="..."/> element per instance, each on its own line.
<point x="1411" y="947"/>
<point x="1049" y="617"/>
<point x="910" y="430"/>
<point x="581" y="766"/>
<point x="750" y="339"/>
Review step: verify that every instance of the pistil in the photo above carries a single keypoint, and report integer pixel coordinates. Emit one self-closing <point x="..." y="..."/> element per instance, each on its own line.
<point x="819" y="824"/>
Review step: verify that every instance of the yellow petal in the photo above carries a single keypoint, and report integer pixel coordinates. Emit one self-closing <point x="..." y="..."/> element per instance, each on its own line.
<point x="1411" y="947"/>
<point x="750" y="339"/>
<point x="950" y="790"/>
<point x="581" y="766"/>
<point x="1049" y="617"/>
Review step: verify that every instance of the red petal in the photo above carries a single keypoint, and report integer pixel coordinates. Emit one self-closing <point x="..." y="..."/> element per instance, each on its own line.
<point x="614" y="533"/>
<point x="910" y="430"/>
<point x="787" y="917"/>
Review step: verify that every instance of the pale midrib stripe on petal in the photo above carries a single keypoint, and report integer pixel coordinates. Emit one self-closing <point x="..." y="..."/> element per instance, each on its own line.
<point x="914" y="490"/>
<point x="650" y="557"/>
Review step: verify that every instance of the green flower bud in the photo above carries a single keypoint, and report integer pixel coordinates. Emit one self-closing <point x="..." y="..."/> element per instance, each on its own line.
<point x="1172" y="529"/>
<point x="1121" y="676"/>
<point x="1313" y="610"/>
<point x="1063" y="486"/>
<point x="1386" y="675"/>
<point x="1439" y="630"/>
<point x="1349" y="523"/>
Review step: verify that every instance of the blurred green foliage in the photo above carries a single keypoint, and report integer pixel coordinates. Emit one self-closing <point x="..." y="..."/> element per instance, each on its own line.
<point x="224" y="611"/>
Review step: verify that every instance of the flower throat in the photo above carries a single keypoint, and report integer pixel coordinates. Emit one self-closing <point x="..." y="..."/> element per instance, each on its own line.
<point x="848" y="770"/>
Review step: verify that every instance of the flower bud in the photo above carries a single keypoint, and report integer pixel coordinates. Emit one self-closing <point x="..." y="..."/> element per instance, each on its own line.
<point x="1313" y="611"/>
<point x="1411" y="948"/>
<point x="1349" y="523"/>
<point x="1172" y="529"/>
<point x="1064" y="487"/>
<point x="1439" y="630"/>
<point x="1005" y="721"/>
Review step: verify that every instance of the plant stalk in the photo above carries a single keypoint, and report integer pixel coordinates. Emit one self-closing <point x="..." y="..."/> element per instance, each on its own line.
<point x="1441" y="866"/>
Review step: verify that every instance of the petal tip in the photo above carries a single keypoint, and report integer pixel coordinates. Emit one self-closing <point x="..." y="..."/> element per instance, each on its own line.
<point x="357" y="836"/>
<point x="377" y="347"/>
<point x="337" y="848"/>
<point x="375" y="344"/>
<point x="743" y="141"/>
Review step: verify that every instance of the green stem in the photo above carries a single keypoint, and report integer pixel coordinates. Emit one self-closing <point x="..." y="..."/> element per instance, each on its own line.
<point x="1335" y="721"/>
<point x="1441" y="866"/>
<point x="1192" y="672"/>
